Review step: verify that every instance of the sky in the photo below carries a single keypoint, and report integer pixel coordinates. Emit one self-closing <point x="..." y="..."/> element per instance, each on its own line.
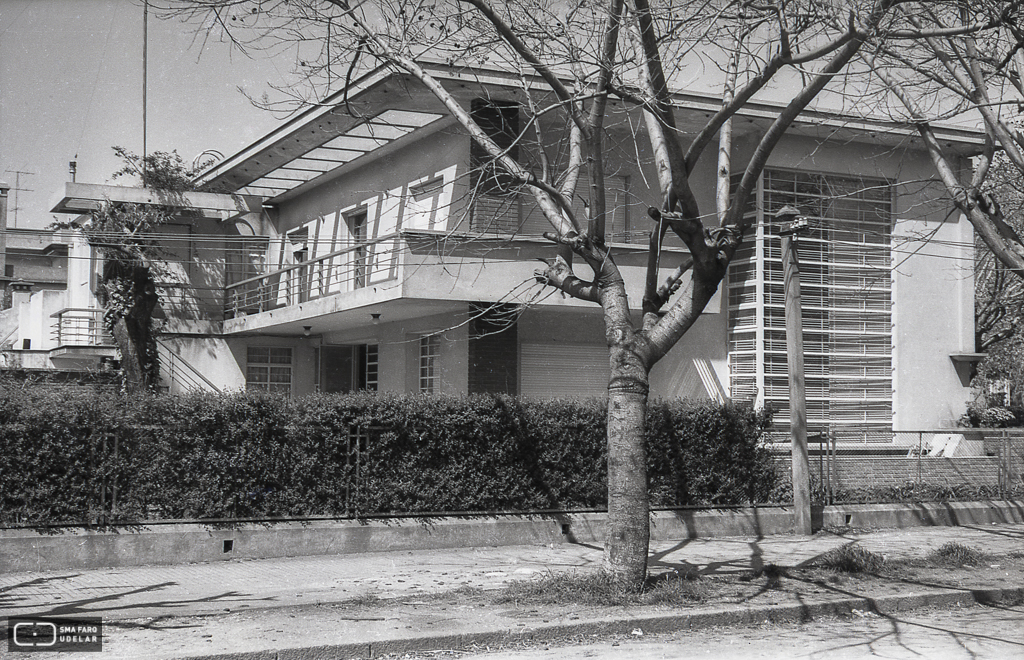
<point x="71" y="89"/>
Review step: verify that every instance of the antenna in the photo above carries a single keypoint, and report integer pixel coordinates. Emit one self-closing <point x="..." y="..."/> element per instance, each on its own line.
<point x="17" y="186"/>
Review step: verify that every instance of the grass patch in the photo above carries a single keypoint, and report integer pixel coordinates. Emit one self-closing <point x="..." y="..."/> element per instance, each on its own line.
<point x="957" y="554"/>
<point x="772" y="573"/>
<point x="851" y="558"/>
<point x="364" y="600"/>
<point x="601" y="588"/>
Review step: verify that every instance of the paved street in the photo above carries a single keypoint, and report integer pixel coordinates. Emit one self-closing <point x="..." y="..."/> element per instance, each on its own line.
<point x="975" y="633"/>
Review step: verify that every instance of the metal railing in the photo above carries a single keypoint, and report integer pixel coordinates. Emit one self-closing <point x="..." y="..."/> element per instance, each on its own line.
<point x="850" y="464"/>
<point x="348" y="269"/>
<point x="177" y="370"/>
<point x="81" y="327"/>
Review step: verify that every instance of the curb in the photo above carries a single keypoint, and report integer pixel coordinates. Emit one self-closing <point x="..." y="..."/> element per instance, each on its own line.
<point x="654" y="623"/>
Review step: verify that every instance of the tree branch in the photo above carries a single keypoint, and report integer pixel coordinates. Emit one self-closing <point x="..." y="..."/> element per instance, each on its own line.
<point x="559" y="274"/>
<point x="745" y="93"/>
<point x="527" y="54"/>
<point x="789" y="114"/>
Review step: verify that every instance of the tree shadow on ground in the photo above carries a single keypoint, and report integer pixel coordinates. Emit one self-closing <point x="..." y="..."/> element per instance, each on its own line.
<point x="109" y="603"/>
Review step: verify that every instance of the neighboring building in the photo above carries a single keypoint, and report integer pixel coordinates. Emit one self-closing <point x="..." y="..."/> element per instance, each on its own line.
<point x="49" y="319"/>
<point x="370" y="253"/>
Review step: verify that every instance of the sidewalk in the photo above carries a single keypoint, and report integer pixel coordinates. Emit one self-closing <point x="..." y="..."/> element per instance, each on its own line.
<point x="295" y="607"/>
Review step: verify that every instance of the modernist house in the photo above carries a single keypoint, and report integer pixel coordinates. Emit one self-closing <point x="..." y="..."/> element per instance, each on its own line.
<point x="357" y="248"/>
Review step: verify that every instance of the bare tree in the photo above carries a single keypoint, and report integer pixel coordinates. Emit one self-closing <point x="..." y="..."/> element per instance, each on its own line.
<point x="586" y="53"/>
<point x="962" y="62"/>
<point x="999" y="291"/>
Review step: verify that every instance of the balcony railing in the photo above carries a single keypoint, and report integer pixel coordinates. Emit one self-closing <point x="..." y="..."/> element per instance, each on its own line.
<point x="80" y="327"/>
<point x="348" y="269"/>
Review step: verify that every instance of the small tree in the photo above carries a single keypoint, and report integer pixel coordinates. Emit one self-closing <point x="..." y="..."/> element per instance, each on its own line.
<point x="999" y="301"/>
<point x="123" y="234"/>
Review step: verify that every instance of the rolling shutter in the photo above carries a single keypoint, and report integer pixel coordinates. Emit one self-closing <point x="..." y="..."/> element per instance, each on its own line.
<point x="563" y="370"/>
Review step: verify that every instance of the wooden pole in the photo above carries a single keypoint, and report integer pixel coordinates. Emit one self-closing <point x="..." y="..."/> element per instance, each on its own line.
<point x="145" y="79"/>
<point x="4" y="187"/>
<point x="795" y="358"/>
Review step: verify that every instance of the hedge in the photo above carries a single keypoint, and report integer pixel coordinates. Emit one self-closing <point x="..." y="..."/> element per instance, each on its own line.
<point x="248" y="455"/>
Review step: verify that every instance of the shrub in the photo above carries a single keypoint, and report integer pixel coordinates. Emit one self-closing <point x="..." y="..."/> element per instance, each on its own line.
<point x="957" y="554"/>
<point x="57" y="451"/>
<point x="252" y="455"/>
<point x="722" y="460"/>
<point x="851" y="558"/>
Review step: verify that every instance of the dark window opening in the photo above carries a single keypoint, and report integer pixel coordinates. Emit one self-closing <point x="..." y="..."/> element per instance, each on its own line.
<point x="348" y="368"/>
<point x="500" y="120"/>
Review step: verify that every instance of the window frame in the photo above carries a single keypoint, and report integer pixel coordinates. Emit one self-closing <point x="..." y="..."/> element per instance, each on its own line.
<point x="267" y="368"/>
<point x="429" y="362"/>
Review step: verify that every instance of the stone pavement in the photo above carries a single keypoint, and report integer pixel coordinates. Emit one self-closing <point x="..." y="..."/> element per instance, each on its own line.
<point x="294" y="607"/>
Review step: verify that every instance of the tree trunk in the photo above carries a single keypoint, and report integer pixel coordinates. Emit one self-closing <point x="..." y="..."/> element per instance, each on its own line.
<point x="628" y="535"/>
<point x="131" y="364"/>
<point x="132" y="330"/>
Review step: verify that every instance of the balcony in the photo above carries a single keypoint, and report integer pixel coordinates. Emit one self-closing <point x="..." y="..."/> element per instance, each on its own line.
<point x="80" y="333"/>
<point x="349" y="269"/>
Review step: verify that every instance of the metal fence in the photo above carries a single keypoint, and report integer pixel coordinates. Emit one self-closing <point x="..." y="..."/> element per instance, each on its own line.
<point x="850" y="465"/>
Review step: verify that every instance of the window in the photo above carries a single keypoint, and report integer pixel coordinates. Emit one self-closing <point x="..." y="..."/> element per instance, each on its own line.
<point x="368" y="361"/>
<point x="269" y="369"/>
<point x="357" y="226"/>
<point x="246" y="260"/>
<point x="298" y="281"/>
<point x="430" y="374"/>
<point x="421" y="206"/>
<point x="846" y="289"/>
<point x="500" y="121"/>
<point x="495" y="201"/>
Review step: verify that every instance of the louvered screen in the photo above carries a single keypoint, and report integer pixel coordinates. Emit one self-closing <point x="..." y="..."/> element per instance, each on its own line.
<point x="846" y="299"/>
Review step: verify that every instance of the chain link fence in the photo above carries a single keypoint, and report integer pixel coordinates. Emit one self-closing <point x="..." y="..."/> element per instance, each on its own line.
<point x="849" y="464"/>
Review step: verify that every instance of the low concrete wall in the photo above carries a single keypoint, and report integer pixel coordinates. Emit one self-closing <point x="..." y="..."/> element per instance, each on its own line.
<point x="185" y="542"/>
<point x="950" y="514"/>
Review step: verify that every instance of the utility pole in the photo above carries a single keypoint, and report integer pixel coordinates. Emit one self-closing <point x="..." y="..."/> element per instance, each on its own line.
<point x="791" y="224"/>
<point x="17" y="186"/>
<point x="145" y="81"/>
<point x="4" y="187"/>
